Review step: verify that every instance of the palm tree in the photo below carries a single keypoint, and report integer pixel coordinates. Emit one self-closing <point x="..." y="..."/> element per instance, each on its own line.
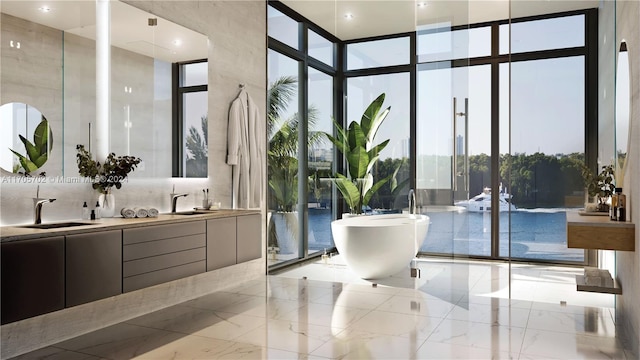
<point x="283" y="143"/>
<point x="198" y="150"/>
<point x="282" y="159"/>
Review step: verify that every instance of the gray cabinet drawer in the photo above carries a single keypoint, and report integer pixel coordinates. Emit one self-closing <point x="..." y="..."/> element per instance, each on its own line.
<point x="249" y="246"/>
<point x="154" y="263"/>
<point x="157" y="232"/>
<point x="159" y="247"/>
<point x="221" y="243"/>
<point x="161" y="276"/>
<point x="157" y="254"/>
<point x="93" y="266"/>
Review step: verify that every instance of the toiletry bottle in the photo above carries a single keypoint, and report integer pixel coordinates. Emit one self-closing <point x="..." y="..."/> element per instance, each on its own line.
<point x="622" y="207"/>
<point x="97" y="210"/>
<point x="613" y="211"/>
<point x="93" y="215"/>
<point x="85" y="211"/>
<point x="325" y="257"/>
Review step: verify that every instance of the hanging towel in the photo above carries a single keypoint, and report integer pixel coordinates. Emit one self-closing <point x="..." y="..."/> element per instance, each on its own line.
<point x="245" y="151"/>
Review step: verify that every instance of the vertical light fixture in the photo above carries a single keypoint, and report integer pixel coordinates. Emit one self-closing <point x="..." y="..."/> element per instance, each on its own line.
<point x="103" y="78"/>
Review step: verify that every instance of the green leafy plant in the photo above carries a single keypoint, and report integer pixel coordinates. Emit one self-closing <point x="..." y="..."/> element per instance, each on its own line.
<point x="105" y="176"/>
<point x="282" y="154"/>
<point x="38" y="151"/>
<point x="356" y="144"/>
<point x="601" y="186"/>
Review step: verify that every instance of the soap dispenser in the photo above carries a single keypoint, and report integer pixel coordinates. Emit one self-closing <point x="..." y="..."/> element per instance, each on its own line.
<point x="97" y="210"/>
<point x="85" y="211"/>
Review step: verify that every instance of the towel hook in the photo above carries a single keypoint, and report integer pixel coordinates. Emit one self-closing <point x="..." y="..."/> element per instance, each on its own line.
<point x="241" y="86"/>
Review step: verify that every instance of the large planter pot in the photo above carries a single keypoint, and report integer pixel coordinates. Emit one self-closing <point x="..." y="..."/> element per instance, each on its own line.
<point x="107" y="203"/>
<point x="286" y="231"/>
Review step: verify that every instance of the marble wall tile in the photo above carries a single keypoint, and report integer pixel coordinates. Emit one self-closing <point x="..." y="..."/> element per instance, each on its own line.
<point x="628" y="263"/>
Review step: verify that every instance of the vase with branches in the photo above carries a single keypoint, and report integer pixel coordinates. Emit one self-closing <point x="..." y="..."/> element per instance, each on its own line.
<point x="104" y="176"/>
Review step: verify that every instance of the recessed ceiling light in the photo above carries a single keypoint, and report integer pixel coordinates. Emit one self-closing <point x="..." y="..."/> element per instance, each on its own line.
<point x="422" y="4"/>
<point x="348" y="16"/>
<point x="177" y="42"/>
<point x="44" y="9"/>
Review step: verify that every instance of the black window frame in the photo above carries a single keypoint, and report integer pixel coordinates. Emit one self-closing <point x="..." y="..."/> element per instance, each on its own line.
<point x="177" y="106"/>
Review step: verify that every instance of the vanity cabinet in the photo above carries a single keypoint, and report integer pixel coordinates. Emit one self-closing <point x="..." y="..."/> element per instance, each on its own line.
<point x="221" y="243"/>
<point x="249" y="238"/>
<point x="32" y="278"/>
<point x="156" y="254"/>
<point x="93" y="266"/>
<point x="48" y="273"/>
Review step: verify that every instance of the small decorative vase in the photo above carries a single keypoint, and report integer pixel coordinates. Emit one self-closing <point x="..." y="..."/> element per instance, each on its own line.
<point x="107" y="203"/>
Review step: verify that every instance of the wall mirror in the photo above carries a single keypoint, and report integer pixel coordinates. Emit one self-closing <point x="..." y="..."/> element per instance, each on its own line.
<point x="622" y="112"/>
<point x="28" y="152"/>
<point x="147" y="55"/>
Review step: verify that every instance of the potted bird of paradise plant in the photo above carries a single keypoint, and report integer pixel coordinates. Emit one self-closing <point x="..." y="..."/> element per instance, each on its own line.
<point x="356" y="143"/>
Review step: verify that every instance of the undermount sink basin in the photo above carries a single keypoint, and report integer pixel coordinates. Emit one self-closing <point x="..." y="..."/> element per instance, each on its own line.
<point x="188" y="213"/>
<point x="54" y="225"/>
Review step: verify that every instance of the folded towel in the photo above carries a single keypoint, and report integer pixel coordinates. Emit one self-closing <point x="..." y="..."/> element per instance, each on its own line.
<point x="127" y="213"/>
<point x="141" y="212"/>
<point x="152" y="212"/>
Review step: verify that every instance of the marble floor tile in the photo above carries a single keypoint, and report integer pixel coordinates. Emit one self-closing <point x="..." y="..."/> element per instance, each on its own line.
<point x="394" y="324"/>
<point x="592" y="321"/>
<point x="336" y="317"/>
<point x="196" y="347"/>
<point x="439" y="351"/>
<point x="558" y="345"/>
<point x="490" y="314"/>
<point x="288" y="336"/>
<point x="222" y="299"/>
<point x="360" y="345"/>
<point x="418" y="304"/>
<point x="121" y="341"/>
<point x="355" y="299"/>
<point x="53" y="353"/>
<point x="499" y="338"/>
<point x="456" y="309"/>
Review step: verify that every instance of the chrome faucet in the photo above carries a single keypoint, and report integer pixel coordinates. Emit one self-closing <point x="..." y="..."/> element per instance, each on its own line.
<point x="37" y="209"/>
<point x="174" y="201"/>
<point x="412" y="201"/>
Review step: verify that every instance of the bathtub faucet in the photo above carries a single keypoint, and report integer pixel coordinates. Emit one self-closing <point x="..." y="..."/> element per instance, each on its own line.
<point x="412" y="201"/>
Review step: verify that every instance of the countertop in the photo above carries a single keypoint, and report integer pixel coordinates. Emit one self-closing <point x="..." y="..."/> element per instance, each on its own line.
<point x="574" y="218"/>
<point x="19" y="232"/>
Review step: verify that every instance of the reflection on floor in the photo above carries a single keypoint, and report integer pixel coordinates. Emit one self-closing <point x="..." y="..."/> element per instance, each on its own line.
<point x="456" y="309"/>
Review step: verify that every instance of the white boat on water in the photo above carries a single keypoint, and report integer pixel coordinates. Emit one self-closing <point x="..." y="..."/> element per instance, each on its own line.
<point x="482" y="202"/>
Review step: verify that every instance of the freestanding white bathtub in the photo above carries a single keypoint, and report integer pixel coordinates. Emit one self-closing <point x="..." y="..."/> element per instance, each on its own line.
<point x="378" y="246"/>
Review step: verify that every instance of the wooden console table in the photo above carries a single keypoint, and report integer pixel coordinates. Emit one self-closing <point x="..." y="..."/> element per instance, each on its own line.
<point x="599" y="233"/>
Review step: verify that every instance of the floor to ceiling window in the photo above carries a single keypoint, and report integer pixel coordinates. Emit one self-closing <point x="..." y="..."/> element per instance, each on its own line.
<point x="546" y="84"/>
<point x="488" y="123"/>
<point x="539" y="150"/>
<point x="376" y="67"/>
<point x="301" y="72"/>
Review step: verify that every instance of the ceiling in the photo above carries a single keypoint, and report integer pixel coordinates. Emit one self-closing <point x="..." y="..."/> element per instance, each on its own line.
<point x="129" y="27"/>
<point x="384" y="17"/>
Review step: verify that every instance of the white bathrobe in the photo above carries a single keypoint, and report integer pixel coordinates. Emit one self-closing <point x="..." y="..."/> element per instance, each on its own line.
<point x="245" y="151"/>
